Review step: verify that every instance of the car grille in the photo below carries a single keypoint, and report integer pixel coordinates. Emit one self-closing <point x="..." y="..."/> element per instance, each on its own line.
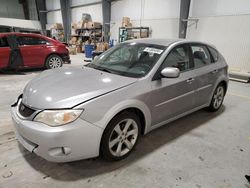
<point x="24" y="110"/>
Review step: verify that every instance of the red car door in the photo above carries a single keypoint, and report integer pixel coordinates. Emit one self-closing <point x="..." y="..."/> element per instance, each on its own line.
<point x="32" y="50"/>
<point x="4" y="52"/>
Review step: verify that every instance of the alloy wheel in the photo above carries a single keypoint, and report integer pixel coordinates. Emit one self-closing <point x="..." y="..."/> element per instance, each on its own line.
<point x="218" y="97"/>
<point x="123" y="137"/>
<point x="54" y="62"/>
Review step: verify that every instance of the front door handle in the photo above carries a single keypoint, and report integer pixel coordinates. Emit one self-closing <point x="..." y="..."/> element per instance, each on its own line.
<point x="190" y="80"/>
<point x="214" y="71"/>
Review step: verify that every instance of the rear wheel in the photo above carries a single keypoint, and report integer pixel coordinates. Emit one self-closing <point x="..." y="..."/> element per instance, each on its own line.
<point x="217" y="98"/>
<point x="120" y="136"/>
<point x="53" y="61"/>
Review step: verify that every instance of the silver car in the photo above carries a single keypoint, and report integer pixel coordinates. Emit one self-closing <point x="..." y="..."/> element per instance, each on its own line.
<point x="104" y="107"/>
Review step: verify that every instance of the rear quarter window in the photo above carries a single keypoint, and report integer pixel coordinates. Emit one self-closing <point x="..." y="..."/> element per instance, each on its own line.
<point x="214" y="53"/>
<point x="27" y="40"/>
<point x="4" y="42"/>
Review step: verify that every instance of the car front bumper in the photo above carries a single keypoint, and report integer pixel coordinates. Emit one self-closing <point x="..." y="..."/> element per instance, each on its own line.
<point x="74" y="141"/>
<point x="66" y="58"/>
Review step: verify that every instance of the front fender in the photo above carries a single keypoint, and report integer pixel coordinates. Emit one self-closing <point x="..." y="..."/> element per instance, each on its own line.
<point x="130" y="103"/>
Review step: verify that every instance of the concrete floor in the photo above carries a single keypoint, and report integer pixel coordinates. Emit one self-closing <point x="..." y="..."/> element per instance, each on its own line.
<point x="202" y="150"/>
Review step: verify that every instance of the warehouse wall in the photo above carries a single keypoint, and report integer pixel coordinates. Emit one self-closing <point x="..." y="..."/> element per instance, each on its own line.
<point x="160" y="15"/>
<point x="32" y="10"/>
<point x="53" y="16"/>
<point x="94" y="10"/>
<point x="226" y="24"/>
<point x="11" y="9"/>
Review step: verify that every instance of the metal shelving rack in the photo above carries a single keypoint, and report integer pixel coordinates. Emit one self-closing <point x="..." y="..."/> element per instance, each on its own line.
<point x="128" y="33"/>
<point x="86" y="33"/>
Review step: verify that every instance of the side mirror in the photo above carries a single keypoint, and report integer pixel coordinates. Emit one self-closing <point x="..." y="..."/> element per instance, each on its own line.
<point x="170" y="72"/>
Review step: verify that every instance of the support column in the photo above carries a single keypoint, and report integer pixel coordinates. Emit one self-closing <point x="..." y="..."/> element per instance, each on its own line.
<point x="66" y="17"/>
<point x="106" y="15"/>
<point x="42" y="13"/>
<point x="25" y="9"/>
<point x="184" y="12"/>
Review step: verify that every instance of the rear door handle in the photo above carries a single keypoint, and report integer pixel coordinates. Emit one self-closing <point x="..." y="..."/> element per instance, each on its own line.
<point x="190" y="80"/>
<point x="214" y="71"/>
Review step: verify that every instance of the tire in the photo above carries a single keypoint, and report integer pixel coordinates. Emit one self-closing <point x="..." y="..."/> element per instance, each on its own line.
<point x="120" y="137"/>
<point x="217" y="99"/>
<point x="53" y="61"/>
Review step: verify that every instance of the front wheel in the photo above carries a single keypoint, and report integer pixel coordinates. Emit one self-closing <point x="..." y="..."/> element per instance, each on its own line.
<point x="120" y="136"/>
<point x="53" y="61"/>
<point x="217" y="98"/>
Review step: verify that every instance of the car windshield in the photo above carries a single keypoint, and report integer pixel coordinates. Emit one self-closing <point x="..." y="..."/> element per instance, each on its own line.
<point x="129" y="59"/>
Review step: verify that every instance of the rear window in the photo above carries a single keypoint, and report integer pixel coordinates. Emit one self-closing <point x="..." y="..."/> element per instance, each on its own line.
<point x="201" y="55"/>
<point x="4" y="42"/>
<point x="214" y="54"/>
<point x="26" y="40"/>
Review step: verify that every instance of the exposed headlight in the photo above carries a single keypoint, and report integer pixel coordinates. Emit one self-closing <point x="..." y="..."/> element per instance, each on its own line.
<point x="57" y="117"/>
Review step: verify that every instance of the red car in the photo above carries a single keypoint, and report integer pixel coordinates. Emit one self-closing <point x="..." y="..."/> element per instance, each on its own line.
<point x="23" y="50"/>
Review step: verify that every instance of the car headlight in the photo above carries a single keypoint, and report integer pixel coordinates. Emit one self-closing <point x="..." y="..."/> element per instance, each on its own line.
<point x="57" y="117"/>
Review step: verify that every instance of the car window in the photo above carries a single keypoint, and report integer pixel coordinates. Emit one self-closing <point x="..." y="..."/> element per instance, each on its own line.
<point x="214" y="54"/>
<point x="120" y="55"/>
<point x="4" y="42"/>
<point x="5" y="29"/>
<point x="129" y="59"/>
<point x="26" y="40"/>
<point x="178" y="58"/>
<point x="201" y="55"/>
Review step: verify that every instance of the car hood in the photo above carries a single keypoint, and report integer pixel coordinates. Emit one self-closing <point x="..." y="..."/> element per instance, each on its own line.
<point x="68" y="87"/>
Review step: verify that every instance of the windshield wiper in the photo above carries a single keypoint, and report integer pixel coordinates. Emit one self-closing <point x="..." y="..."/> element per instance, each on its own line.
<point x="103" y="69"/>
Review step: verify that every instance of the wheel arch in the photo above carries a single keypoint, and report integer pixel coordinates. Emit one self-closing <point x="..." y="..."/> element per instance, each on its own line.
<point x="133" y="105"/>
<point x="225" y="84"/>
<point x="53" y="53"/>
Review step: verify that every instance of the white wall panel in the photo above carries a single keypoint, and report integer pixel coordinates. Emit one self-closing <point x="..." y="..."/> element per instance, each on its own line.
<point x="54" y="17"/>
<point x="129" y="8"/>
<point x="160" y="15"/>
<point x="83" y="2"/>
<point x="203" y="8"/>
<point x="161" y="9"/>
<point x="53" y="4"/>
<point x="32" y="10"/>
<point x="230" y="34"/>
<point x="94" y="10"/>
<point x="11" y="9"/>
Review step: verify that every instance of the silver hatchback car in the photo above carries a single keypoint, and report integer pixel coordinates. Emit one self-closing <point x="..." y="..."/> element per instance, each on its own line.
<point x="104" y="107"/>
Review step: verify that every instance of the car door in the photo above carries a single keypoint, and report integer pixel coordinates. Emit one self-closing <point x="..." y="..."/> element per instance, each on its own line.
<point x="205" y="71"/>
<point x="32" y="50"/>
<point x="171" y="97"/>
<point x="4" y="52"/>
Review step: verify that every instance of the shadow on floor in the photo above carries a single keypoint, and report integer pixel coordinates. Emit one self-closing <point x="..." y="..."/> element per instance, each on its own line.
<point x="90" y="168"/>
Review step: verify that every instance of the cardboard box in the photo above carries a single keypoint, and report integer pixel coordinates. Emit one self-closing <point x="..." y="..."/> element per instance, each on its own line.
<point x="72" y="50"/>
<point x="102" y="46"/>
<point x="144" y="34"/>
<point x="79" y="49"/>
<point x="80" y="24"/>
<point x="91" y="25"/>
<point x="73" y="25"/>
<point x="126" y="20"/>
<point x="58" y="26"/>
<point x="74" y="39"/>
<point x="126" y="24"/>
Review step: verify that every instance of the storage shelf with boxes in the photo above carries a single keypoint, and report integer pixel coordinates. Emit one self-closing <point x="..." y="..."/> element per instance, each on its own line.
<point x="128" y="32"/>
<point x="87" y="36"/>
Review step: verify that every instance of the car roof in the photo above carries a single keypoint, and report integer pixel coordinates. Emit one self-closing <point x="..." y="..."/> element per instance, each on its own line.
<point x="24" y="34"/>
<point x="164" y="42"/>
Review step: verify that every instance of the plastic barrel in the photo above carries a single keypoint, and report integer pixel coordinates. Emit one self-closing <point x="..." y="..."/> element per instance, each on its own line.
<point x="89" y="48"/>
